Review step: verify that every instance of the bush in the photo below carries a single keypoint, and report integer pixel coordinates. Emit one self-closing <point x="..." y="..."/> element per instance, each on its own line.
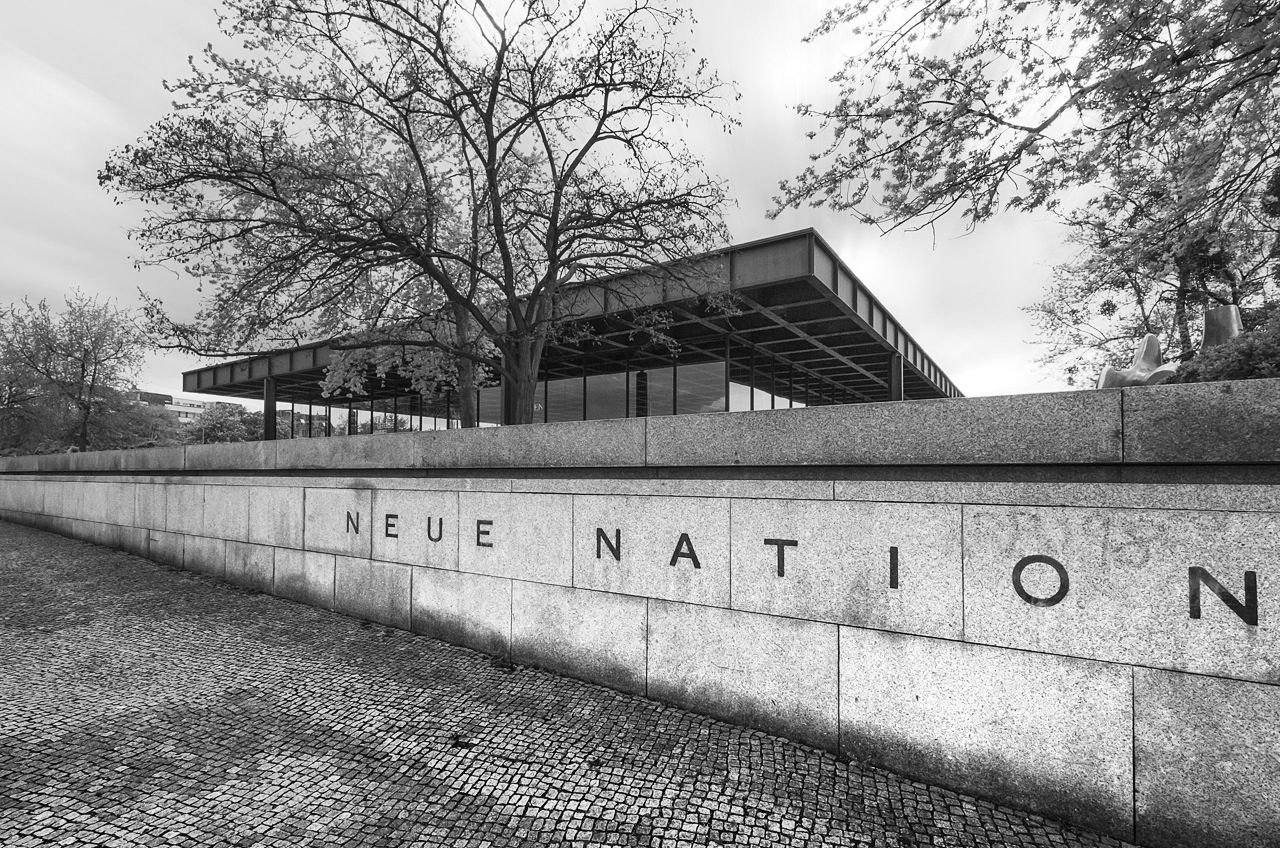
<point x="1253" y="355"/>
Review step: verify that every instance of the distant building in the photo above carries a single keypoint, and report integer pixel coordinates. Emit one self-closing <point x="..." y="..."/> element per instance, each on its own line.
<point x="188" y="410"/>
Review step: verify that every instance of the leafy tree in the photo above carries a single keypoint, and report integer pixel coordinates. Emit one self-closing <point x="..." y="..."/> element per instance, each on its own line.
<point x="1149" y="126"/>
<point x="222" y="422"/>
<point x="1130" y="280"/>
<point x="1255" y="353"/>
<point x="125" y="423"/>
<point x="1249" y="356"/>
<point x="68" y="368"/>
<point x="423" y="177"/>
<point x="22" y="403"/>
<point x="981" y="106"/>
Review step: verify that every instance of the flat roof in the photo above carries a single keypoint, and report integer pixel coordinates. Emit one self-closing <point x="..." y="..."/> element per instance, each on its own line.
<point x="786" y="313"/>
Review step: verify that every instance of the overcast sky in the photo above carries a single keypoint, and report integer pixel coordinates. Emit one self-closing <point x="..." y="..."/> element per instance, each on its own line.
<point x="79" y="78"/>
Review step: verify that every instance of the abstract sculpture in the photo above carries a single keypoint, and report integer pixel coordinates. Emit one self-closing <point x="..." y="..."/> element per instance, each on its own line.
<point x="1221" y="324"/>
<point x="1146" y="369"/>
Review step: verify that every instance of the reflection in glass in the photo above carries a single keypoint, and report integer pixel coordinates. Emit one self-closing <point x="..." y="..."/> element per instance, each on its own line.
<point x="564" y="399"/>
<point x="700" y="388"/>
<point x="606" y="396"/>
<point x="489" y="409"/>
<point x="540" y="401"/>
<point x="651" y="392"/>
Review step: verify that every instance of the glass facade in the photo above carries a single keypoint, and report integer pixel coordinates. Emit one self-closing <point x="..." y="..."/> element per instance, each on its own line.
<point x="700" y="388"/>
<point x="669" y="388"/>
<point x="606" y="396"/>
<point x="655" y="392"/>
<point x="564" y="399"/>
<point x="489" y="408"/>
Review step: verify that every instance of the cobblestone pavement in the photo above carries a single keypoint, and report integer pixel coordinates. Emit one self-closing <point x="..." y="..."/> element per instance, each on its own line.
<point x="141" y="705"/>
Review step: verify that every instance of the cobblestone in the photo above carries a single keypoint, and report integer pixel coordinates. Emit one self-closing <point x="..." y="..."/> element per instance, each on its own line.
<point x="145" y="706"/>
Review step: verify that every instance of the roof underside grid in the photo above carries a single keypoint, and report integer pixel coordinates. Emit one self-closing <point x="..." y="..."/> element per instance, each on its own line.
<point x="797" y="323"/>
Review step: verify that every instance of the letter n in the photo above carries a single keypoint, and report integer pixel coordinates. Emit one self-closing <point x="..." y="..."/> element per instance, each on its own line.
<point x="615" y="547"/>
<point x="353" y="523"/>
<point x="1248" y="611"/>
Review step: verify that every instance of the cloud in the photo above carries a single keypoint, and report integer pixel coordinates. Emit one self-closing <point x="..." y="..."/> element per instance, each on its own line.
<point x="52" y="217"/>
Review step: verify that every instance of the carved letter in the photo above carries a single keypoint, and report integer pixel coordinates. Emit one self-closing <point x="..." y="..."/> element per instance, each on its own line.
<point x="391" y="526"/>
<point x="481" y="531"/>
<point x="782" y="545"/>
<point x="1248" y="611"/>
<point x="615" y="547"/>
<point x="353" y="523"/>
<point x="893" y="566"/>
<point x="439" y="534"/>
<point x="684" y="550"/>
<point x="1063" y="582"/>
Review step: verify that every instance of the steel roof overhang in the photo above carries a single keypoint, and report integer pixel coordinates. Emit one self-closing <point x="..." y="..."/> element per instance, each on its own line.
<point x="786" y="311"/>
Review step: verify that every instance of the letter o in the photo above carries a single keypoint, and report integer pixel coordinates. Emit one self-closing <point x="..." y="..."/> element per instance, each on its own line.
<point x="1064" y="583"/>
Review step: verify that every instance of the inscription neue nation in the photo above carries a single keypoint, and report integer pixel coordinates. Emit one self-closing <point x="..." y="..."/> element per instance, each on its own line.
<point x="684" y="551"/>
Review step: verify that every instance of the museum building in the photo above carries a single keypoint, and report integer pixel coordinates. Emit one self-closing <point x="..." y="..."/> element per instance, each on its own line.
<point x="776" y="323"/>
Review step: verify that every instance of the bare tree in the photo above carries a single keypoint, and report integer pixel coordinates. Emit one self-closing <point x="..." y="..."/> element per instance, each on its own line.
<point x="423" y="175"/>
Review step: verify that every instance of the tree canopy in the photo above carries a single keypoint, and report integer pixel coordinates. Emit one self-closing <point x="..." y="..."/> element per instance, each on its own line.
<point x="1149" y="127"/>
<point x="979" y="106"/>
<point x="65" y="377"/>
<point x="426" y="176"/>
<point x="1125" y="283"/>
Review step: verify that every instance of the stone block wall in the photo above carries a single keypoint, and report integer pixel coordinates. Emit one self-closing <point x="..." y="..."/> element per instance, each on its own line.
<point x="1022" y="598"/>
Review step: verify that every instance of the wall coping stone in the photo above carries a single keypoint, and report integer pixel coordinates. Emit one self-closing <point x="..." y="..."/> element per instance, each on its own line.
<point x="1208" y="423"/>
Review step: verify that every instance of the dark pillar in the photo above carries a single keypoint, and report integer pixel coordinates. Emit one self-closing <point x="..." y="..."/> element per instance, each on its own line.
<point x="726" y="374"/>
<point x="895" y="377"/>
<point x="508" y="402"/>
<point x="642" y="394"/>
<point x="269" y="409"/>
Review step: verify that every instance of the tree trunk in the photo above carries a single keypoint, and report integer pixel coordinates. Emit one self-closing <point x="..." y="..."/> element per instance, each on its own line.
<point x="83" y="439"/>
<point x="1180" y="314"/>
<point x="521" y="383"/>
<point x="468" y="414"/>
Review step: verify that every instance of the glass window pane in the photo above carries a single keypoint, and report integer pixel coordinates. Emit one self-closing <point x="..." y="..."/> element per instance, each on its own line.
<point x="700" y="388"/>
<point x="564" y="399"/>
<point x="606" y="396"/>
<point x="540" y="402"/>
<point x="490" y="406"/>
<point x="651" y="392"/>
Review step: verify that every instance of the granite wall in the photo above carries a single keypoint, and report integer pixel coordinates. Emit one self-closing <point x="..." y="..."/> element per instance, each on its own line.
<point x="1066" y="602"/>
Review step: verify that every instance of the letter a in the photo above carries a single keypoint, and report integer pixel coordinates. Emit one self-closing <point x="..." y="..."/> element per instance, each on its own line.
<point x="684" y="550"/>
